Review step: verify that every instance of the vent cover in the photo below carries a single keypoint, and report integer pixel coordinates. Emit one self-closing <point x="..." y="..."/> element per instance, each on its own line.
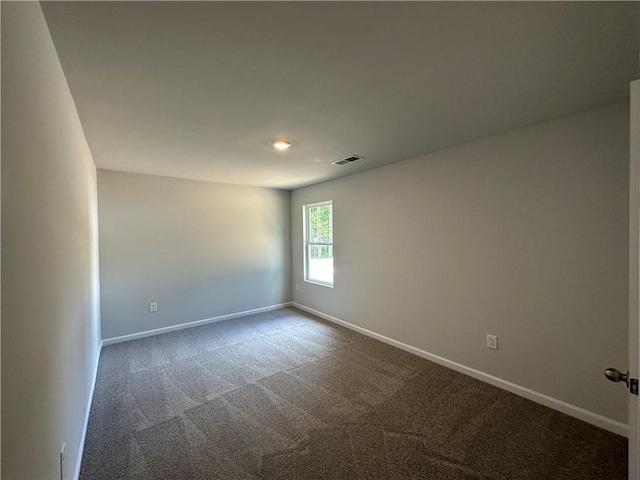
<point x="348" y="160"/>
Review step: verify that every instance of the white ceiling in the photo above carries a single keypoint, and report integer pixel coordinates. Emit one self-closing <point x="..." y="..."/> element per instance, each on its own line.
<point x="200" y="89"/>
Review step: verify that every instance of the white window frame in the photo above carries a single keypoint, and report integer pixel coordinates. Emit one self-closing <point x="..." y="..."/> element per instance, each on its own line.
<point x="306" y="244"/>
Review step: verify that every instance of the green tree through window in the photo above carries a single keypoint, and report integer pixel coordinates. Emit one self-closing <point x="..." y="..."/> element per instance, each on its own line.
<point x="319" y="242"/>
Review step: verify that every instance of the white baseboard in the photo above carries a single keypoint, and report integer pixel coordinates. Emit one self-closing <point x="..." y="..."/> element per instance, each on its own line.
<point x="76" y="473"/>
<point x="173" y="328"/>
<point x="564" y="407"/>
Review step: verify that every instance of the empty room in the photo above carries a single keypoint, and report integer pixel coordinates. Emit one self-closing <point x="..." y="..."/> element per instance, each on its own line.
<point x="320" y="240"/>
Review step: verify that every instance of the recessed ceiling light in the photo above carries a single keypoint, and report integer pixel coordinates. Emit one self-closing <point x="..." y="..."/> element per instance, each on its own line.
<point x="281" y="144"/>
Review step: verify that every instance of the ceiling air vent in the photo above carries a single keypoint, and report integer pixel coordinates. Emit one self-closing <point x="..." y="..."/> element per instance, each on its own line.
<point x="348" y="160"/>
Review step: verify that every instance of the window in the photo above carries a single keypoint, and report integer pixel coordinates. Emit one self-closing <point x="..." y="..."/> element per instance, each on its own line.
<point x="318" y="243"/>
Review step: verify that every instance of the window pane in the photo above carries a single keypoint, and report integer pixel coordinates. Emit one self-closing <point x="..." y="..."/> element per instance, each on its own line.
<point x="313" y="224"/>
<point x="320" y="267"/>
<point x="320" y="221"/>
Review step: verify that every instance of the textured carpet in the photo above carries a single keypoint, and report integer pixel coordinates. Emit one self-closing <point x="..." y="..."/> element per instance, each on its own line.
<point x="284" y="395"/>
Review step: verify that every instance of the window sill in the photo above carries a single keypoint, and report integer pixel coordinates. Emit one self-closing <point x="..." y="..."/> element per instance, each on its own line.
<point x="322" y="284"/>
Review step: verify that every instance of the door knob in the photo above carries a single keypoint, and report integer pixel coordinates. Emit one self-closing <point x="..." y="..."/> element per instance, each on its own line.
<point x="615" y="375"/>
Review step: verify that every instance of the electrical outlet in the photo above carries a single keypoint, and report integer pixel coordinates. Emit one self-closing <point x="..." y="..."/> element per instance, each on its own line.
<point x="492" y="342"/>
<point x="62" y="460"/>
<point x="297" y="286"/>
<point x="153" y="307"/>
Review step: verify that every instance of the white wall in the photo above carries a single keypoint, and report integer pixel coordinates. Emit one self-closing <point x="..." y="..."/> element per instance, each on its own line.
<point x="50" y="330"/>
<point x="522" y="235"/>
<point x="198" y="249"/>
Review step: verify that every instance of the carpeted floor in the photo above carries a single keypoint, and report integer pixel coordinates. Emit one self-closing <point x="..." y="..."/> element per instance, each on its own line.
<point x="284" y="395"/>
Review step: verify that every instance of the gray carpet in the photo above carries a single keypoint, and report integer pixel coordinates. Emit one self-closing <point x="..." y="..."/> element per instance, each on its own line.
<point x="284" y="395"/>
